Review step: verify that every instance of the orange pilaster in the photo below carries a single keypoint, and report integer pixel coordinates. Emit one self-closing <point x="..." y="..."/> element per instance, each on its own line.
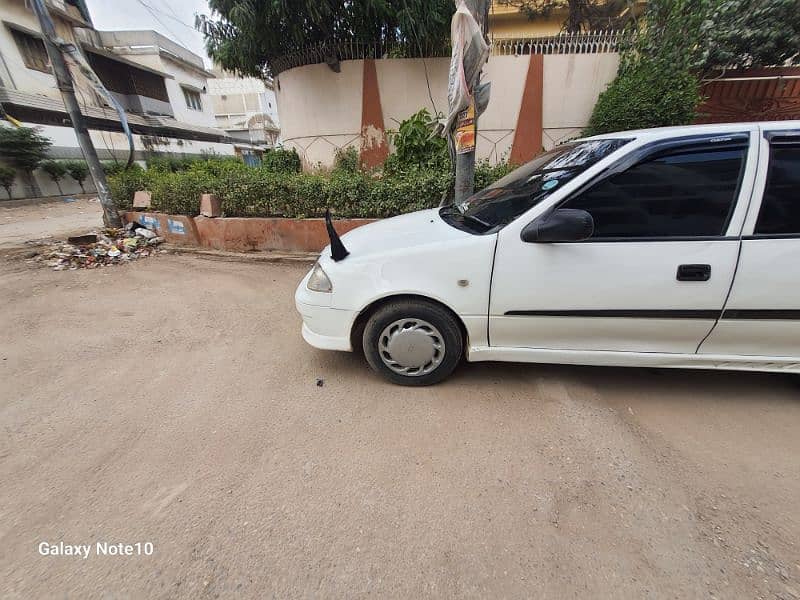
<point x="528" y="134"/>
<point x="374" y="145"/>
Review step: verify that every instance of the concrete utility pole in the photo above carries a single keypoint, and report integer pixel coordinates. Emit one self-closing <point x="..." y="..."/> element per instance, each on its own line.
<point x="63" y="77"/>
<point x="465" y="160"/>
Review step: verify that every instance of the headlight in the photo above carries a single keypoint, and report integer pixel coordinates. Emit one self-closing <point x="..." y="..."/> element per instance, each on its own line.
<point x="319" y="282"/>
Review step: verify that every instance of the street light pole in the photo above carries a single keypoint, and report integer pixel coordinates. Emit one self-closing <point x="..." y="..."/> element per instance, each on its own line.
<point x="63" y="77"/>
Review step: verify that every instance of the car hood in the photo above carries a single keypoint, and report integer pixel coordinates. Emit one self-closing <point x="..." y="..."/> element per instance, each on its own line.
<point x="424" y="227"/>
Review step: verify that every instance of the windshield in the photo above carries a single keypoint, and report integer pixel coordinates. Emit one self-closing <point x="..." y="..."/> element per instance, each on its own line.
<point x="527" y="186"/>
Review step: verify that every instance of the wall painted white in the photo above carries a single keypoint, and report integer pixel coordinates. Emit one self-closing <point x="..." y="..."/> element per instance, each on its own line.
<point x="321" y="110"/>
<point x="13" y="72"/>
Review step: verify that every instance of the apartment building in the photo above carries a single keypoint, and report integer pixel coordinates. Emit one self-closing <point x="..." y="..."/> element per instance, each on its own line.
<point x="162" y="86"/>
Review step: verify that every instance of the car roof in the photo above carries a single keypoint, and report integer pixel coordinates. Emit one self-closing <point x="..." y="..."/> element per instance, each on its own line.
<point x="681" y="130"/>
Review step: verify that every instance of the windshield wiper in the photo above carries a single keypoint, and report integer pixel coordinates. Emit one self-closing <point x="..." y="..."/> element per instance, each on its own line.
<point x="453" y="209"/>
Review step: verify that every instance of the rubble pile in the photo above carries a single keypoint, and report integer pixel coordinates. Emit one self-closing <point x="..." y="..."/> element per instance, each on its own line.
<point x="107" y="247"/>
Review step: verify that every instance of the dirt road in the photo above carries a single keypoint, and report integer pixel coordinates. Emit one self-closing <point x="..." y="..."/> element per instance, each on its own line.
<point x="20" y="222"/>
<point x="172" y="401"/>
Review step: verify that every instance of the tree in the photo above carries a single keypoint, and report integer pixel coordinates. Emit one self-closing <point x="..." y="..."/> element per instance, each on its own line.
<point x="24" y="148"/>
<point x="749" y="33"/>
<point x="246" y="36"/>
<point x="79" y="171"/>
<point x="581" y="15"/>
<point x="7" y="176"/>
<point x="56" y="170"/>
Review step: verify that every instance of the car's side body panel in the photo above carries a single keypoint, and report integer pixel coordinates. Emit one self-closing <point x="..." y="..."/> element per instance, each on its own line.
<point x="762" y="315"/>
<point x="621" y="295"/>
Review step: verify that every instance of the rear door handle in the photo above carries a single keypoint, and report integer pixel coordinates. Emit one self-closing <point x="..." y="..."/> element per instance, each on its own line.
<point x="694" y="272"/>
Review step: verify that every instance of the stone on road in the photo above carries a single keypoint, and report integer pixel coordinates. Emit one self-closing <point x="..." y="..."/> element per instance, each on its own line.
<point x="173" y="401"/>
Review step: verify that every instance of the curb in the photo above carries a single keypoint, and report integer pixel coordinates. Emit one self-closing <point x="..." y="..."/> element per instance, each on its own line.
<point x="265" y="257"/>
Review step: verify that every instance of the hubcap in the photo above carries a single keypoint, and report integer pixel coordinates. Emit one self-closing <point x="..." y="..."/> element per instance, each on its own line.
<point x="411" y="347"/>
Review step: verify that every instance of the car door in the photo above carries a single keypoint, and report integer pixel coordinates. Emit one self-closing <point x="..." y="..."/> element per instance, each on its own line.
<point x="654" y="275"/>
<point x="762" y="315"/>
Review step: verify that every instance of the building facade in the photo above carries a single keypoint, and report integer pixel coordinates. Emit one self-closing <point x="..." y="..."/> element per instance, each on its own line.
<point x="162" y="86"/>
<point x="245" y="107"/>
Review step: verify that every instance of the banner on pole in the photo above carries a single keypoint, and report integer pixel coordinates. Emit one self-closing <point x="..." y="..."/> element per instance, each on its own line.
<point x="465" y="130"/>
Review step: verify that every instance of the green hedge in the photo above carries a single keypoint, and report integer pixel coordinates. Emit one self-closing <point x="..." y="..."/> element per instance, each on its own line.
<point x="264" y="192"/>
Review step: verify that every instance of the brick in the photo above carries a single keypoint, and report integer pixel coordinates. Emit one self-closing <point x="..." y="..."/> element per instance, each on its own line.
<point x="210" y="205"/>
<point x="141" y="199"/>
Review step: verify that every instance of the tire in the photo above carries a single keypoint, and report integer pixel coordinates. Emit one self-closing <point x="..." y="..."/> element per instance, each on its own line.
<point x="404" y="333"/>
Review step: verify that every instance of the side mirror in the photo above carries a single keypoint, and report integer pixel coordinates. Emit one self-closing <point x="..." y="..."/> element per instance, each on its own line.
<point x="562" y="225"/>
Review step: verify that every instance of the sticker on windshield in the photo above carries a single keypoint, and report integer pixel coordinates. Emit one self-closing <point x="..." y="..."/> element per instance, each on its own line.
<point x="549" y="185"/>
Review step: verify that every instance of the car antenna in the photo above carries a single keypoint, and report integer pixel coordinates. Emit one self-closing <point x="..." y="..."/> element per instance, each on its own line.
<point x="338" y="251"/>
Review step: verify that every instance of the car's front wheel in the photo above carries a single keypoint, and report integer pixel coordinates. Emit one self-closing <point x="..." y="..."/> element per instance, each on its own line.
<point x="413" y="342"/>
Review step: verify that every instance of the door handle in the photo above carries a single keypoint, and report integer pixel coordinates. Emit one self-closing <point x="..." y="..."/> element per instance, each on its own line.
<point x="694" y="272"/>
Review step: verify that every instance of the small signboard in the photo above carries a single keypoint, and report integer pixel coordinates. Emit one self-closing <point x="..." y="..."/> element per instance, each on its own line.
<point x="465" y="130"/>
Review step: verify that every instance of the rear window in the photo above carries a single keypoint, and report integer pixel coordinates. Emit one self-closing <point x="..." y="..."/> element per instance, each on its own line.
<point x="780" y="208"/>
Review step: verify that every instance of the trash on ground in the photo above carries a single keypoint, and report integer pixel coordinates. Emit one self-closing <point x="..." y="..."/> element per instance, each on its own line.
<point x="107" y="247"/>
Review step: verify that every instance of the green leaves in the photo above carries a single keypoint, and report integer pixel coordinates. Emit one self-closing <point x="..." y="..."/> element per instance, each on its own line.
<point x="245" y="35"/>
<point x="749" y="33"/>
<point x="416" y="145"/>
<point x="23" y="147"/>
<point x="281" y="160"/>
<point x="263" y="192"/>
<point x="54" y="168"/>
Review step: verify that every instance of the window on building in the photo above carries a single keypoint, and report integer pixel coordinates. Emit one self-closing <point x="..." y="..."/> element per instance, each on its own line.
<point x="192" y="98"/>
<point x="780" y="208"/>
<point x="32" y="50"/>
<point x="686" y="193"/>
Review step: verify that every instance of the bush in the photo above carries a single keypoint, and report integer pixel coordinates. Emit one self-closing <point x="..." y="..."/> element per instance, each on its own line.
<point x="262" y="192"/>
<point x="281" y="160"/>
<point x="346" y="160"/>
<point x="112" y="167"/>
<point x="416" y="144"/>
<point x="124" y="183"/>
<point x="644" y="97"/>
<point x="56" y="170"/>
<point x="656" y="84"/>
<point x="78" y="170"/>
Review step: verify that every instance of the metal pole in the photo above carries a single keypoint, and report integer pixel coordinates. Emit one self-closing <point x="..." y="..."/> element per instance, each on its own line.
<point x="465" y="163"/>
<point x="63" y="77"/>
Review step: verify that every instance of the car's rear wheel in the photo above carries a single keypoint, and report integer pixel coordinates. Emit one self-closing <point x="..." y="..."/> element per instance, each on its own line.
<point x="413" y="342"/>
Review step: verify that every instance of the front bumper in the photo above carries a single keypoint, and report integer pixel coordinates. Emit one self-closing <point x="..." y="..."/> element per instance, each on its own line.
<point x="326" y="328"/>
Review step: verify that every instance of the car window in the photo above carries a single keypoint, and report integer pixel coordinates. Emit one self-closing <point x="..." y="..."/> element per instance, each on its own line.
<point x="780" y="208"/>
<point x="528" y="185"/>
<point x="683" y="193"/>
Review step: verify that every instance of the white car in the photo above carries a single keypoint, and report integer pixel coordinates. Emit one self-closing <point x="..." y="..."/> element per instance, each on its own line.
<point x="672" y="247"/>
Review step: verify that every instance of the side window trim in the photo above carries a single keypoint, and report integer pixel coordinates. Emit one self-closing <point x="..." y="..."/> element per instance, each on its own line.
<point x="775" y="139"/>
<point x="653" y="150"/>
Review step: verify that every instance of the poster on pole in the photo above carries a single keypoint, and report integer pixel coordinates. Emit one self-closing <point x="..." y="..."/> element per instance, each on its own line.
<point x="465" y="130"/>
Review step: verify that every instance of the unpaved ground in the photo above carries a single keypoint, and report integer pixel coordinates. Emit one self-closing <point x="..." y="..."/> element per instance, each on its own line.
<point x="173" y="401"/>
<point x="20" y="222"/>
